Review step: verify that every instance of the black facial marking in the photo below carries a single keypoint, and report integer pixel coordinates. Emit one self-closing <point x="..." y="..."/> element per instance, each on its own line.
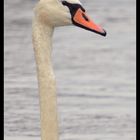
<point x="73" y="7"/>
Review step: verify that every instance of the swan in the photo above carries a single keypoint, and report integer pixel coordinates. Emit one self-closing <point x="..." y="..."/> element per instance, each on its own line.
<point x="49" y="14"/>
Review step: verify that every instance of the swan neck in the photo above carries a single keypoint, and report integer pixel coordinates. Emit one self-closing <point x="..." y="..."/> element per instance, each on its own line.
<point x="42" y="33"/>
<point x="42" y="43"/>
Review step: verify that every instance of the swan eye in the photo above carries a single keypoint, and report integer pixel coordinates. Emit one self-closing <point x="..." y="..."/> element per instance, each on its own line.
<point x="73" y="6"/>
<point x="64" y="3"/>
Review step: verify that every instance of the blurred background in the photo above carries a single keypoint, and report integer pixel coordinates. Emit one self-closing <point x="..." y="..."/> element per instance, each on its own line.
<point x="95" y="75"/>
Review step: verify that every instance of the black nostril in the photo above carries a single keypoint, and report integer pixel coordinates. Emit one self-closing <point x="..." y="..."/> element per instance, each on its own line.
<point x="85" y="17"/>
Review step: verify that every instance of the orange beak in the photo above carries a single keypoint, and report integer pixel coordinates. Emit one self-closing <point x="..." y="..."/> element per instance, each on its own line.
<point x="81" y="19"/>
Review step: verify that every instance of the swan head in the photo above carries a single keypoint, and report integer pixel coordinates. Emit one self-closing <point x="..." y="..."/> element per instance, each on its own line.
<point x="65" y="12"/>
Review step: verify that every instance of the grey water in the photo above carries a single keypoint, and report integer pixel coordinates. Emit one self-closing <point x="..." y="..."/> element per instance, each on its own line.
<point x="96" y="88"/>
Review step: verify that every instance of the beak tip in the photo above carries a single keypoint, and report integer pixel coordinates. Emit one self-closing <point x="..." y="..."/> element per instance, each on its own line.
<point x="104" y="33"/>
